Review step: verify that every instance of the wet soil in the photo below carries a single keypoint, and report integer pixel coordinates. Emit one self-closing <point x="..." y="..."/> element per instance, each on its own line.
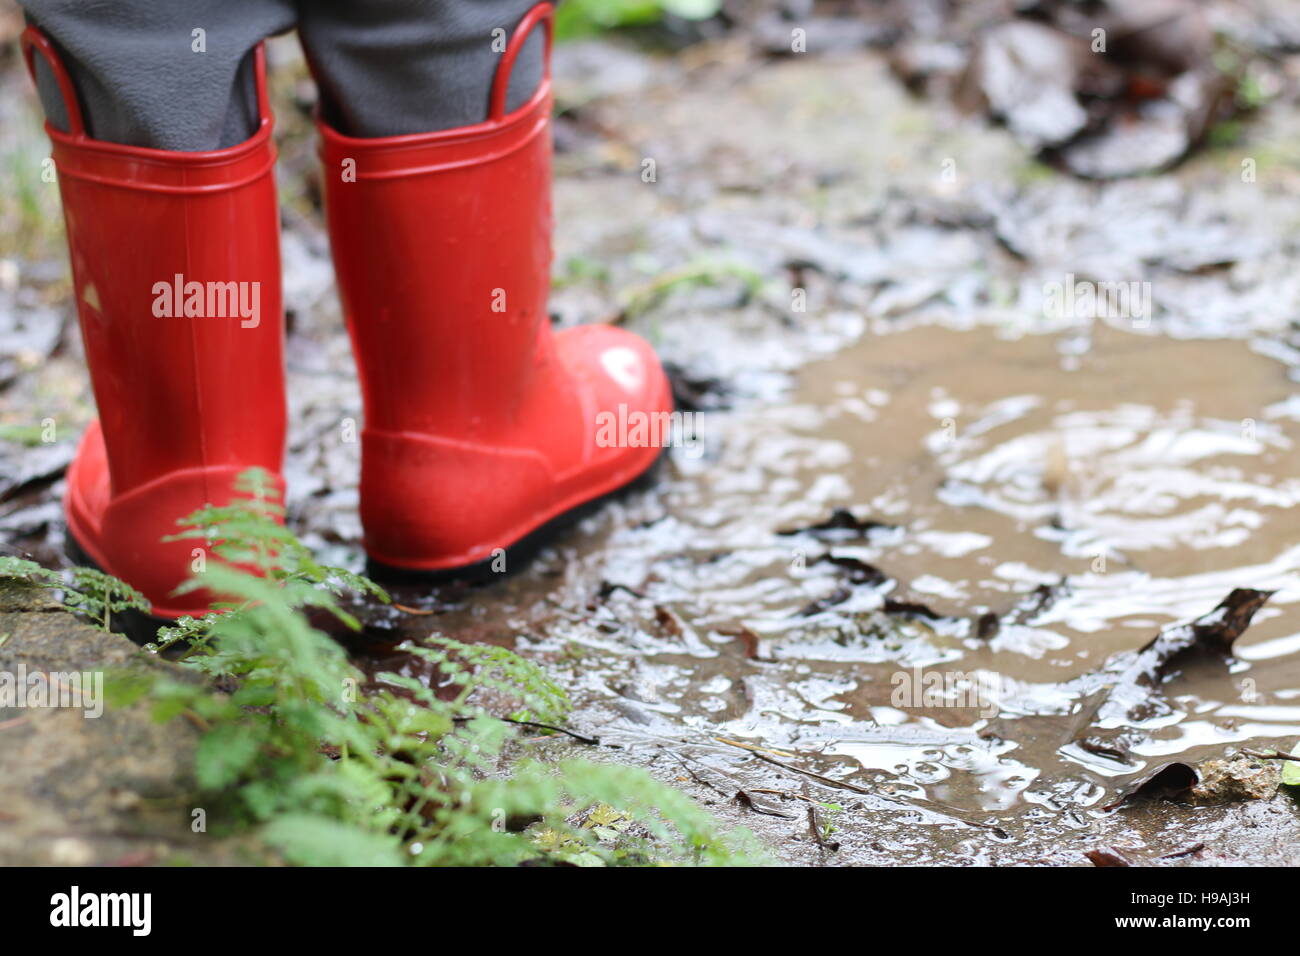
<point x="856" y="288"/>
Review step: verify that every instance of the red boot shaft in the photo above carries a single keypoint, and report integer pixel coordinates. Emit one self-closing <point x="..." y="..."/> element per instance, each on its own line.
<point x="481" y="424"/>
<point x="189" y="388"/>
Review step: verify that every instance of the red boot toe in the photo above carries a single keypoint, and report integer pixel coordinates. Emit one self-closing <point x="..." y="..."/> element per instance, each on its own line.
<point x="628" y="399"/>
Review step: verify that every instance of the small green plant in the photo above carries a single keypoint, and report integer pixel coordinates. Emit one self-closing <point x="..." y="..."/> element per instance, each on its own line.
<point x="695" y="275"/>
<point x="579" y="269"/>
<point x="29" y="435"/>
<point x="830" y="813"/>
<point x="334" y="770"/>
<point x="582" y="18"/>
<point x="1291" y="769"/>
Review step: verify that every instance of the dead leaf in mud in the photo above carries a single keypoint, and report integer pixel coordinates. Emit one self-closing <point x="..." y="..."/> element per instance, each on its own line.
<point x="911" y="609"/>
<point x="1035" y="603"/>
<point x="843" y="524"/>
<point x="1159" y="37"/>
<point x="838" y="596"/>
<point x="987" y="626"/>
<point x="856" y="570"/>
<point x="1133" y="693"/>
<point x="1106" y="857"/>
<point x="668" y="621"/>
<point x="1241" y="776"/>
<point x="696" y="393"/>
<point x="609" y="587"/>
<point x="1120" y="90"/>
<point x="1168" y="782"/>
<point x="747" y="801"/>
<point x="24" y="468"/>
<point x="1153" y="135"/>
<point x="30" y="331"/>
<point x="756" y="649"/>
<point x="1025" y="74"/>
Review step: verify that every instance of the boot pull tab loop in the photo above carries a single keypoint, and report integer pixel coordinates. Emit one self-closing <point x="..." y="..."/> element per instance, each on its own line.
<point x="259" y="80"/>
<point x="542" y="13"/>
<point x="34" y="41"/>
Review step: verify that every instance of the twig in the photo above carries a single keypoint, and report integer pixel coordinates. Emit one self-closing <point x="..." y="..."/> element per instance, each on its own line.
<point x="753" y="749"/>
<point x="1194" y="848"/>
<point x="1272" y="756"/>
<point x="845" y="785"/>
<point x="696" y="777"/>
<point x="197" y="721"/>
<point x="407" y="609"/>
<point x="829" y="781"/>
<point x="581" y="738"/>
<point x="789" y="795"/>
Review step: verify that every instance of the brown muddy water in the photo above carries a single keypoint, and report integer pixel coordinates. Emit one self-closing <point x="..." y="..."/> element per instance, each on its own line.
<point x="1012" y="500"/>
<point x="1083" y="499"/>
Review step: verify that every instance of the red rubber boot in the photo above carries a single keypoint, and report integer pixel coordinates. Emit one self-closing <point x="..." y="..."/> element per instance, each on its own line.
<point x="482" y="427"/>
<point x="188" y="379"/>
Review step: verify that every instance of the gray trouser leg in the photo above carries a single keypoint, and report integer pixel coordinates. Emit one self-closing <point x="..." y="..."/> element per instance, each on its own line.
<point x="390" y="67"/>
<point x="144" y="77"/>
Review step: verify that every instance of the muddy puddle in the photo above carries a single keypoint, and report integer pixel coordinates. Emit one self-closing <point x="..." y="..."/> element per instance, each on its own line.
<point x="905" y="577"/>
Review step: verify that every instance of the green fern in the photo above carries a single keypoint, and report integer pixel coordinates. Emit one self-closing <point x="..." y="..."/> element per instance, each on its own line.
<point x="332" y="770"/>
<point x="28" y="572"/>
<point x="99" y="596"/>
<point x="92" y="594"/>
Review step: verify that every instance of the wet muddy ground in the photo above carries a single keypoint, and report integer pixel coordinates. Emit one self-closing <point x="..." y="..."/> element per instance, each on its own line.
<point x="911" y="463"/>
